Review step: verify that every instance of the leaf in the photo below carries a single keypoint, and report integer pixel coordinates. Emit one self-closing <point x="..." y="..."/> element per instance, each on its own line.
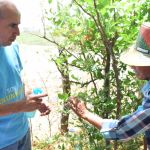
<point x="50" y="1"/>
<point x="75" y="78"/>
<point x="63" y="96"/>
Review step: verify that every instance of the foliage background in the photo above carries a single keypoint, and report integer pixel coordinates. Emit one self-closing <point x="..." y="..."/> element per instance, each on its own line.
<point x="90" y="35"/>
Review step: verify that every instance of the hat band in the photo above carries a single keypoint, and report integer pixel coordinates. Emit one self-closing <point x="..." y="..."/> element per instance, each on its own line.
<point x="143" y="50"/>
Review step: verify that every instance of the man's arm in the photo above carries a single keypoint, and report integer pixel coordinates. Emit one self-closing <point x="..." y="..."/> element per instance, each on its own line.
<point x="32" y="103"/>
<point x="8" y="109"/>
<point x="124" y="129"/>
<point x="93" y="119"/>
<point x="80" y="109"/>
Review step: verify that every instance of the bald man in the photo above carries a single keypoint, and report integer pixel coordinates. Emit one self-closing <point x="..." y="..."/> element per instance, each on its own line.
<point x="14" y="129"/>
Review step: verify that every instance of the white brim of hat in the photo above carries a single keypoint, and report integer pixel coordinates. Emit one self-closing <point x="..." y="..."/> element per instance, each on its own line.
<point x="132" y="57"/>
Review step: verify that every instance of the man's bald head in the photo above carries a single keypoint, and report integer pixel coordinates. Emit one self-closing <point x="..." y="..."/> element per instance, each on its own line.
<point x="5" y="6"/>
<point x="9" y="22"/>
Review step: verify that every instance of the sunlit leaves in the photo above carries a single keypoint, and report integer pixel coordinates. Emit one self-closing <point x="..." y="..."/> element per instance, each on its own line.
<point x="77" y="24"/>
<point x="50" y="1"/>
<point x="63" y="96"/>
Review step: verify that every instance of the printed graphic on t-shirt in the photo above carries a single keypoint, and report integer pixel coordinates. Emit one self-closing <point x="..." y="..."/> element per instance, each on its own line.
<point x="11" y="94"/>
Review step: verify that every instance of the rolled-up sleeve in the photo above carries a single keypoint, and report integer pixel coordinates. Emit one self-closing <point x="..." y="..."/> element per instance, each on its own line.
<point x="108" y="124"/>
<point x="127" y="127"/>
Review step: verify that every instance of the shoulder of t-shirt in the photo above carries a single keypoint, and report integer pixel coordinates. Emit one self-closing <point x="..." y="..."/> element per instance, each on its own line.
<point x="15" y="46"/>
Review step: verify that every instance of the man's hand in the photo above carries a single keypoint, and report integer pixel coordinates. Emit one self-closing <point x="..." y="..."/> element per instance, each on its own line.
<point x="32" y="102"/>
<point x="78" y="107"/>
<point x="44" y="110"/>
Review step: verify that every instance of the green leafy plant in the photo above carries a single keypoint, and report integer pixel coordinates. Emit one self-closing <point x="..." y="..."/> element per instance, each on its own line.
<point x="92" y="34"/>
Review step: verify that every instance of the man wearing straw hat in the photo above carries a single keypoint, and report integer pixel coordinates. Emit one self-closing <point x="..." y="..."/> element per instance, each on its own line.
<point x="138" y="58"/>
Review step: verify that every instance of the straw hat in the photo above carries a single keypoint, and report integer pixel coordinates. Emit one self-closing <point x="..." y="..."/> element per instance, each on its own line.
<point x="139" y="54"/>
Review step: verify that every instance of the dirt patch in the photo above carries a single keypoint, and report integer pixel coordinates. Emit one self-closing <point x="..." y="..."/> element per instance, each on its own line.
<point x="40" y="72"/>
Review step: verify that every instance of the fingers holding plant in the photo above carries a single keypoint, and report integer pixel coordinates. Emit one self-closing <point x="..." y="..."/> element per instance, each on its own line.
<point x="78" y="106"/>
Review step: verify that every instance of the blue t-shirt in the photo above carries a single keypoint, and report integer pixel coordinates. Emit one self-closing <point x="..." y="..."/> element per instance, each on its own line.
<point x="12" y="127"/>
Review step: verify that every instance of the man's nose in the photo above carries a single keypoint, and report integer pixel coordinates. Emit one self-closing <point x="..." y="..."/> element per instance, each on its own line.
<point x="17" y="31"/>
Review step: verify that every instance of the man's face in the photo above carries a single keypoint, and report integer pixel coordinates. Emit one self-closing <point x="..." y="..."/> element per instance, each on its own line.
<point x="142" y="72"/>
<point x="9" y="29"/>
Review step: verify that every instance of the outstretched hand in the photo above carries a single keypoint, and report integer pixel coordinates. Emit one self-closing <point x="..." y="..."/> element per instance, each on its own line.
<point x="78" y="107"/>
<point x="81" y="110"/>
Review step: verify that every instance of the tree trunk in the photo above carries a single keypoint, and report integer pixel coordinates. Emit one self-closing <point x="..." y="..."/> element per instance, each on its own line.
<point x="65" y="115"/>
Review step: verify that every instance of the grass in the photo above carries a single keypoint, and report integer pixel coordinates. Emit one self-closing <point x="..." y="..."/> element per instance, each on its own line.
<point x="30" y="39"/>
<point x="42" y="145"/>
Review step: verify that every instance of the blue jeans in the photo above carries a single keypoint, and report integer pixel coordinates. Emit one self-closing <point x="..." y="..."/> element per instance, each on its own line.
<point x="22" y="144"/>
